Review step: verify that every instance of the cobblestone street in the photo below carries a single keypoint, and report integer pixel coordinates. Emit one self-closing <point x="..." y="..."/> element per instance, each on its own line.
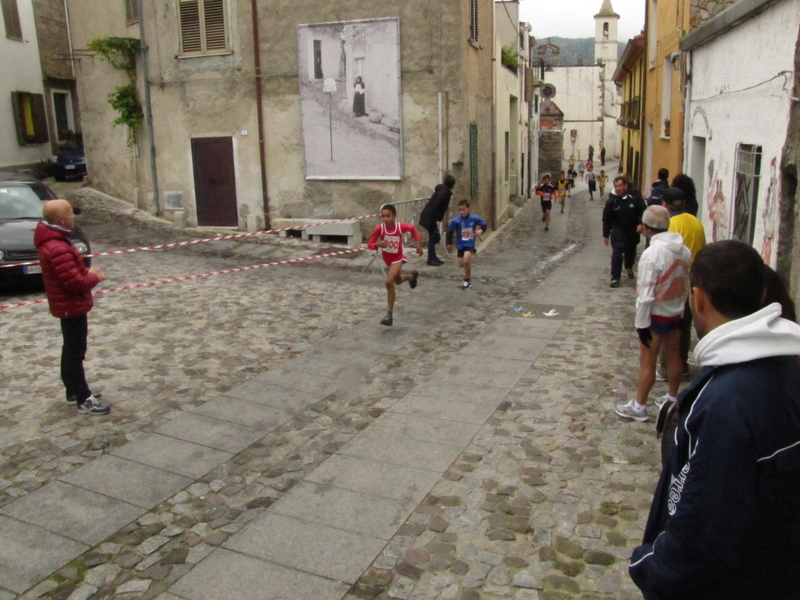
<point x="294" y="448"/>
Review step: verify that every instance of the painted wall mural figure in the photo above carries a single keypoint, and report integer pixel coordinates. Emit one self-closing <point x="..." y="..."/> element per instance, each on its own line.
<point x="768" y="215"/>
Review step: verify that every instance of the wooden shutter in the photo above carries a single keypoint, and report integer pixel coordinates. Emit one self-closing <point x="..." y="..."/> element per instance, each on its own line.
<point x="40" y="133"/>
<point x="11" y="19"/>
<point x="132" y="11"/>
<point x="473" y="20"/>
<point x="190" y="26"/>
<point x="19" y="118"/>
<point x="214" y="17"/>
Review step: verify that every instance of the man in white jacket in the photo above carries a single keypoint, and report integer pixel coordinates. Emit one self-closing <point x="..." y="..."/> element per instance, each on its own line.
<point x="662" y="289"/>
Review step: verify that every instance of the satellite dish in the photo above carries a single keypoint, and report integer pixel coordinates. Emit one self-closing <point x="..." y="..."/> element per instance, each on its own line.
<point x="548" y="91"/>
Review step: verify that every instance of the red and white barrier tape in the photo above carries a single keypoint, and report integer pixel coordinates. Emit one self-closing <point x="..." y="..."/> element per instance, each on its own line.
<point x="190" y="277"/>
<point x="214" y="239"/>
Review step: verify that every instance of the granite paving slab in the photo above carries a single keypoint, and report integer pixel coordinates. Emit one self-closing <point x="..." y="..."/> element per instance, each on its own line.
<point x="404" y="451"/>
<point x="392" y="425"/>
<point x="224" y="571"/>
<point x="29" y="553"/>
<point x="310" y="547"/>
<point x="173" y="455"/>
<point x="213" y="433"/>
<point x="127" y="481"/>
<point x="375" y="477"/>
<point x="442" y="391"/>
<point x="357" y="512"/>
<point x="73" y="512"/>
<point x="505" y="346"/>
<point x="537" y="328"/>
<point x="444" y="408"/>
<point x="243" y="412"/>
<point x="258" y="391"/>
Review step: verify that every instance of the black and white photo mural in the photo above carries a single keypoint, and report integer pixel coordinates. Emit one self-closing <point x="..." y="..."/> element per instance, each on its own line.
<point x="350" y="99"/>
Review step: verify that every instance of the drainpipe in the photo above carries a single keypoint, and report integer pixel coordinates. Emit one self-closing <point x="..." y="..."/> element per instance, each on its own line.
<point x="442" y="166"/>
<point x="69" y="41"/>
<point x="260" y="113"/>
<point x="148" y="111"/>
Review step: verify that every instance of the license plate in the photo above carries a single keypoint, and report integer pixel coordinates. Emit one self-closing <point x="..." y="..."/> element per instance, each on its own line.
<point x="69" y="166"/>
<point x="32" y="269"/>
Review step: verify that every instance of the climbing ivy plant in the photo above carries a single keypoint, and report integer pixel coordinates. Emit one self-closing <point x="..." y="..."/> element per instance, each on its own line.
<point x="121" y="54"/>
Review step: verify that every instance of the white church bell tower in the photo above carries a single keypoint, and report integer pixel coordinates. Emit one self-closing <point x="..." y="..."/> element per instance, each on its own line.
<point x="605" y="37"/>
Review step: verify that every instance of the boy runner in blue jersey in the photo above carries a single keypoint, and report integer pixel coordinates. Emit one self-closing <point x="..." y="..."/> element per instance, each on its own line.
<point x="467" y="228"/>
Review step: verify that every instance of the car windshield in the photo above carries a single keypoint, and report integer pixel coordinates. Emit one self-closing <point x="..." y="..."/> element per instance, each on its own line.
<point x="19" y="203"/>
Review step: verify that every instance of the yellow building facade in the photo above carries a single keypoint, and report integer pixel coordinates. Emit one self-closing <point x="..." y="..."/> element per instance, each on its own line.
<point x="629" y="76"/>
<point x="666" y="21"/>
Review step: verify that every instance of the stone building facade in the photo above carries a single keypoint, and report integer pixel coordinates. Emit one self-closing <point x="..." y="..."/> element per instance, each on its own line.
<point x="52" y="30"/>
<point x="208" y="90"/>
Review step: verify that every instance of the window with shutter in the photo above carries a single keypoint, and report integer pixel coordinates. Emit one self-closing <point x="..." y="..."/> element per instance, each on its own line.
<point x="202" y="26"/>
<point x="473" y="21"/>
<point x="131" y="11"/>
<point x="30" y="118"/>
<point x="11" y="20"/>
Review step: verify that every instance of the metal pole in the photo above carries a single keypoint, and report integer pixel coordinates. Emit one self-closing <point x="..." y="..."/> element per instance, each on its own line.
<point x="262" y="152"/>
<point x="330" y="120"/>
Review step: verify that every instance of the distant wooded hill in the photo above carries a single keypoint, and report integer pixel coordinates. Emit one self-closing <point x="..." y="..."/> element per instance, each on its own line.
<point x="578" y="51"/>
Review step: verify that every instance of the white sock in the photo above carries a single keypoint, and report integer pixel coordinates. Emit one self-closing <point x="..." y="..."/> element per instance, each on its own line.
<point x="639" y="407"/>
<point x="673" y="398"/>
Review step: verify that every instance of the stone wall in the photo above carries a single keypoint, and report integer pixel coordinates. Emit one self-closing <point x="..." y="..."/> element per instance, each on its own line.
<point x="551" y="145"/>
<point x="51" y="29"/>
<point x="702" y="10"/>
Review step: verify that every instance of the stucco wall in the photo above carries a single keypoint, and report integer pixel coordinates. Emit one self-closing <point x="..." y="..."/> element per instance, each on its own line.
<point x="578" y="95"/>
<point x="20" y="71"/>
<point x="215" y="96"/>
<point x="724" y="114"/>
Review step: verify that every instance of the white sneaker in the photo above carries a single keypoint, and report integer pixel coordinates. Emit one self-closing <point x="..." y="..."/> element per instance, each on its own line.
<point x="659" y="376"/>
<point x="466" y="285"/>
<point x="631" y="410"/>
<point x="662" y="400"/>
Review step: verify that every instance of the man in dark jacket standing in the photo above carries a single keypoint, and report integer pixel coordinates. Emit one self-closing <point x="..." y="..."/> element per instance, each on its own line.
<point x="622" y="216"/>
<point x="433" y="213"/>
<point x="725" y="518"/>
<point x="68" y="284"/>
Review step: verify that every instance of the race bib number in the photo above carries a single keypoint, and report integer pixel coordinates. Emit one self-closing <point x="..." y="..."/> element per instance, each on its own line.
<point x="546" y="197"/>
<point x="394" y="244"/>
<point x="467" y="235"/>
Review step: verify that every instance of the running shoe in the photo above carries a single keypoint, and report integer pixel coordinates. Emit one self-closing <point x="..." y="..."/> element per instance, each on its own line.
<point x="630" y="273"/>
<point x="413" y="283"/>
<point x="631" y="411"/>
<point x="614" y="283"/>
<point x="387" y="320"/>
<point x="547" y="228"/>
<point x="91" y="406"/>
<point x="660" y="376"/>
<point x="662" y="400"/>
<point x="73" y="400"/>
<point x="466" y="285"/>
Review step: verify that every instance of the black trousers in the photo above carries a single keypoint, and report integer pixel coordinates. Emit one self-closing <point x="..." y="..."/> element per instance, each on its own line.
<point x="433" y="239"/>
<point x="622" y="250"/>
<point x="75" y="331"/>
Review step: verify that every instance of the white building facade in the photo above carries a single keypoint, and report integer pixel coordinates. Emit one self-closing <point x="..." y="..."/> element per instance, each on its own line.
<point x="23" y="118"/>
<point x="738" y="103"/>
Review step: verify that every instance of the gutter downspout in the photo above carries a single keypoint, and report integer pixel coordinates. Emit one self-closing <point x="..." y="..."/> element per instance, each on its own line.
<point x="687" y="112"/>
<point x="260" y="113"/>
<point x="69" y="38"/>
<point x="441" y="101"/>
<point x="148" y="111"/>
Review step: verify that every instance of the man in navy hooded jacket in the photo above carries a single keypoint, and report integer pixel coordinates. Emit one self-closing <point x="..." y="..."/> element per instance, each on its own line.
<point x="725" y="519"/>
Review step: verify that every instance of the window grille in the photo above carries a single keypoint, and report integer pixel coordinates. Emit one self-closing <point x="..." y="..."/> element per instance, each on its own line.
<point x="748" y="176"/>
<point x="473" y="158"/>
<point x="473" y="21"/>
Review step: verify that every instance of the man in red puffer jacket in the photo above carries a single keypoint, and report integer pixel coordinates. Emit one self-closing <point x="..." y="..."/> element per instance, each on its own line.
<point x="68" y="284"/>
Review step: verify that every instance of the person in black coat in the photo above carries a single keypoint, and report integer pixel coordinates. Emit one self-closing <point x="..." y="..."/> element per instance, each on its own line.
<point x="725" y="519"/>
<point x="622" y="216"/>
<point x="433" y="213"/>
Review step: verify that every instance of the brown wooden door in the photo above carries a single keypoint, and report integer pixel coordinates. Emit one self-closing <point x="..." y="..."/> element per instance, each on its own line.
<point x="215" y="181"/>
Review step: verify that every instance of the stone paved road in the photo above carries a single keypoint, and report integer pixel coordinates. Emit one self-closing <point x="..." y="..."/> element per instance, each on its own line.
<point x="289" y="444"/>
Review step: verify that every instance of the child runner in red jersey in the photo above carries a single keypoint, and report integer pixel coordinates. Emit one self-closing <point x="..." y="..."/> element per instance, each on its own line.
<point x="388" y="236"/>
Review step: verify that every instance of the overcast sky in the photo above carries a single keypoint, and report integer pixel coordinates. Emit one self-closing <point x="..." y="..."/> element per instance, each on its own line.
<point x="575" y="18"/>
